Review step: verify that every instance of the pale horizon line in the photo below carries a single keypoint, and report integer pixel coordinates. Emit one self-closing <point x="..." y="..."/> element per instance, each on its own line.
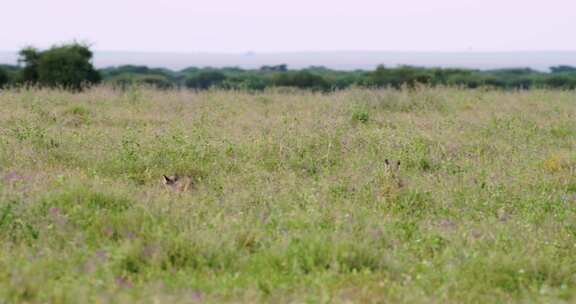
<point x="321" y="51"/>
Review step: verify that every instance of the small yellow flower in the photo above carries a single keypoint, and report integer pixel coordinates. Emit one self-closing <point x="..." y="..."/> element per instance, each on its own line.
<point x="553" y="164"/>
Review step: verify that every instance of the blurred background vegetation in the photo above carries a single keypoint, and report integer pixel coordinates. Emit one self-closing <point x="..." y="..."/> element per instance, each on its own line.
<point x="69" y="66"/>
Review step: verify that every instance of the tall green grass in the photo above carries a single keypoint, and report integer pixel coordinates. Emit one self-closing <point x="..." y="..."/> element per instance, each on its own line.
<point x="292" y="200"/>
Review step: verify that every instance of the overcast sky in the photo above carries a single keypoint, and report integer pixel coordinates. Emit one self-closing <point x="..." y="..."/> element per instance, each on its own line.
<point x="291" y="25"/>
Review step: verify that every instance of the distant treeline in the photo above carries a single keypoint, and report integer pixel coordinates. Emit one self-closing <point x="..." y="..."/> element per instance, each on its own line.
<point x="323" y="79"/>
<point x="69" y="66"/>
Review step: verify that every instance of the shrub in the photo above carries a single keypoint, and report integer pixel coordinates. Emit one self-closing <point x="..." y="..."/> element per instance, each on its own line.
<point x="3" y="78"/>
<point x="300" y="79"/>
<point x="66" y="66"/>
<point x="205" y="79"/>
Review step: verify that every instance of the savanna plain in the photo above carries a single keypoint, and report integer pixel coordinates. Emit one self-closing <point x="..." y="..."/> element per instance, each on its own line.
<point x="291" y="199"/>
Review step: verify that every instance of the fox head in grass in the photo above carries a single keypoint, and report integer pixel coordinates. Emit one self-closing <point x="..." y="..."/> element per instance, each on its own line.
<point x="177" y="183"/>
<point x="390" y="182"/>
<point x="392" y="171"/>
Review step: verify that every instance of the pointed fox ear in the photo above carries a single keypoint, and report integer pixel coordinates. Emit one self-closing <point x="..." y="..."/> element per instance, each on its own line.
<point x="398" y="164"/>
<point x="167" y="179"/>
<point x="387" y="162"/>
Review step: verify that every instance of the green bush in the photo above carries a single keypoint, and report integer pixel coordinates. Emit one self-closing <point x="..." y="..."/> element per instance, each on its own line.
<point x="300" y="79"/>
<point x="205" y="79"/>
<point x="67" y="66"/>
<point x="3" y="78"/>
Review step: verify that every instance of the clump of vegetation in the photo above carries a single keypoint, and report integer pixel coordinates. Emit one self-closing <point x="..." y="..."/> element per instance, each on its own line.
<point x="360" y="115"/>
<point x="3" y="78"/>
<point x="205" y="80"/>
<point x="67" y="66"/>
<point x="428" y="194"/>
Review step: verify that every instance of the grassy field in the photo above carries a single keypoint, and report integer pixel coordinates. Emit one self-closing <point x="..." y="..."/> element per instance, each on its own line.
<point x="292" y="200"/>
